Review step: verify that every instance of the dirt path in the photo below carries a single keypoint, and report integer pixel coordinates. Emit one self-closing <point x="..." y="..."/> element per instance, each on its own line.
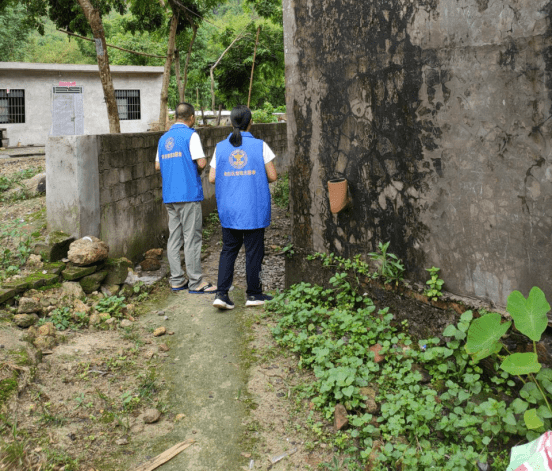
<point x="206" y="375"/>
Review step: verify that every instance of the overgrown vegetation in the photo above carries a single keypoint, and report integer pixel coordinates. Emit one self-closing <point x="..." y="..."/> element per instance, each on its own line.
<point x="15" y="246"/>
<point x="428" y="405"/>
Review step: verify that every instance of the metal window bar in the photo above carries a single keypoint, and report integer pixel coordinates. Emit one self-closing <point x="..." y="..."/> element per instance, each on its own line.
<point x="12" y="106"/>
<point x="128" y="104"/>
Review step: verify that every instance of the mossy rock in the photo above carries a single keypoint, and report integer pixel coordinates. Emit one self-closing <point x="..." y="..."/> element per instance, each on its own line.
<point x="117" y="270"/>
<point x="54" y="267"/>
<point x="92" y="282"/>
<point x="7" y="294"/>
<point x="17" y="285"/>
<point x="55" y="247"/>
<point x="39" y="279"/>
<point x="75" y="272"/>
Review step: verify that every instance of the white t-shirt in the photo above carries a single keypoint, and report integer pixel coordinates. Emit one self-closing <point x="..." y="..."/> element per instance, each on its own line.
<point x="268" y="155"/>
<point x="196" y="150"/>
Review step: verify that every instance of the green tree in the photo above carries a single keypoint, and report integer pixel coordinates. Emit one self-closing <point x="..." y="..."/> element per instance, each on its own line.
<point x="234" y="70"/>
<point x="14" y="34"/>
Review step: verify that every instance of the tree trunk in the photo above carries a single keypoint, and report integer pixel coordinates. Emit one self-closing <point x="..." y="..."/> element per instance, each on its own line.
<point x="253" y="66"/>
<point x="183" y="93"/>
<point x="167" y="73"/>
<point x="95" y="21"/>
<point x="178" y="79"/>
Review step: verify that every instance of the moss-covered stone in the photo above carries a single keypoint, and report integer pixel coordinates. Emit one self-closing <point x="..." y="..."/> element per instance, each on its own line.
<point x="17" y="285"/>
<point x="117" y="270"/>
<point x="7" y="294"/>
<point x="92" y="282"/>
<point x="35" y="281"/>
<point x="59" y="243"/>
<point x="74" y="272"/>
<point x="54" y="267"/>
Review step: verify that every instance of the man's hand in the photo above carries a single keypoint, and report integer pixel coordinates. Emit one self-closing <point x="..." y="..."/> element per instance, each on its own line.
<point x="201" y="164"/>
<point x="157" y="166"/>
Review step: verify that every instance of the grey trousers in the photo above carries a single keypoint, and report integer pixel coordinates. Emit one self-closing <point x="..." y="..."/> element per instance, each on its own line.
<point x="185" y="225"/>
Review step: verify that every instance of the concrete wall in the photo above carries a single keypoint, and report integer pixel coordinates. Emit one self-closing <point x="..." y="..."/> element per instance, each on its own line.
<point x="107" y="186"/>
<point x="437" y="112"/>
<point x="38" y="79"/>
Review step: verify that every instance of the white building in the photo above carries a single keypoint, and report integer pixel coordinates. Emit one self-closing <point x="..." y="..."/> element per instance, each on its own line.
<point x="41" y="100"/>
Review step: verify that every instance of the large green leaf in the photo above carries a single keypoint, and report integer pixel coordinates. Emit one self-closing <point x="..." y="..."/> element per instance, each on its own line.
<point x="529" y="315"/>
<point x="484" y="334"/>
<point x="521" y="363"/>
<point x="532" y="420"/>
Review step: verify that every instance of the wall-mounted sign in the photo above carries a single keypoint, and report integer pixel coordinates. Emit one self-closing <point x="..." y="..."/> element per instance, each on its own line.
<point x="67" y="84"/>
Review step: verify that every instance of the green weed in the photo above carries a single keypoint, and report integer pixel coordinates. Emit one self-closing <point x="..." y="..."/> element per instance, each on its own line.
<point x="280" y="191"/>
<point x="434" y="408"/>
<point x="434" y="283"/>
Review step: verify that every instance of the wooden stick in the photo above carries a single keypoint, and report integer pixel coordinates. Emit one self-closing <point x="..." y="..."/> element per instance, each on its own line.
<point x="166" y="456"/>
<point x="111" y="45"/>
<point x="253" y="66"/>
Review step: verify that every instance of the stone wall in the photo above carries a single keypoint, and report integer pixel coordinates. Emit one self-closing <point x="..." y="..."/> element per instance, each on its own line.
<point x="437" y="112"/>
<point x="106" y="185"/>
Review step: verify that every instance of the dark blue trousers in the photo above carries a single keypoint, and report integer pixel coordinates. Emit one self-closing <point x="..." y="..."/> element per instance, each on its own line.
<point x="232" y="240"/>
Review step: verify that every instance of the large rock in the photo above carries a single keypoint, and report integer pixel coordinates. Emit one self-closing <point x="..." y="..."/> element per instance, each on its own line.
<point x="117" y="270"/>
<point x="37" y="184"/>
<point x="87" y="250"/>
<point x="72" y="290"/>
<point x="29" y="305"/>
<point x="92" y="282"/>
<point x="25" y="320"/>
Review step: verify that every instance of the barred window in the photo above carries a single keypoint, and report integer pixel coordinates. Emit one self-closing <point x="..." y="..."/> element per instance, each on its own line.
<point x="128" y="104"/>
<point x="12" y="106"/>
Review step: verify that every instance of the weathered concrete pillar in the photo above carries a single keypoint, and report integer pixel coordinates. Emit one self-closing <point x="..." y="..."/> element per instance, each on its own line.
<point x="72" y="185"/>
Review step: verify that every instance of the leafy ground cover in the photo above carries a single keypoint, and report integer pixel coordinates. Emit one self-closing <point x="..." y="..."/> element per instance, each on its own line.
<point x="425" y="404"/>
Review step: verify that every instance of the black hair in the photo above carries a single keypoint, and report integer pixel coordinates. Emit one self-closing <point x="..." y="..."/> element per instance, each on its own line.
<point x="184" y="111"/>
<point x="240" y="118"/>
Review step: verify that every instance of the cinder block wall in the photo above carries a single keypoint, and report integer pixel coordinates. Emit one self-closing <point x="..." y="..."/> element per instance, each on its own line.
<point x="107" y="186"/>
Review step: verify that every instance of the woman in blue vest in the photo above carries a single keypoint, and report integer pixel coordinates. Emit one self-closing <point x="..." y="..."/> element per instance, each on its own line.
<point x="242" y="167"/>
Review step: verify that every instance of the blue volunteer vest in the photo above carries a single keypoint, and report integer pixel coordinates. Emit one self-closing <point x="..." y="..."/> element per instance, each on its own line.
<point x="242" y="192"/>
<point x="181" y="180"/>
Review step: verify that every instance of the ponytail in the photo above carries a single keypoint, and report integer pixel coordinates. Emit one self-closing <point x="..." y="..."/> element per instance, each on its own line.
<point x="240" y="118"/>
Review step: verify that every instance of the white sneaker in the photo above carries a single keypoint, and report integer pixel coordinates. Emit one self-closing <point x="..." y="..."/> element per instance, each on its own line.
<point x="223" y="302"/>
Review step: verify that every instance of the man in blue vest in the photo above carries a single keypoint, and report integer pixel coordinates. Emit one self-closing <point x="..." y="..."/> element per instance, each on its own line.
<point x="181" y="160"/>
<point x="242" y="167"/>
